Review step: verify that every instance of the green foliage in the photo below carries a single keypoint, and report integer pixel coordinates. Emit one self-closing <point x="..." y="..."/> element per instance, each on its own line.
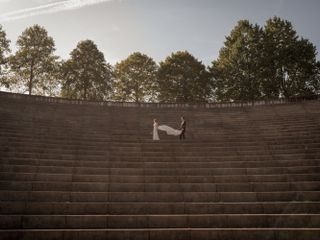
<point x="4" y="50"/>
<point x="51" y="81"/>
<point x="265" y="63"/>
<point x="86" y="75"/>
<point x="291" y="68"/>
<point x="316" y="80"/>
<point x="135" y="79"/>
<point x="182" y="78"/>
<point x="255" y="63"/>
<point x="33" y="62"/>
<point x="237" y="71"/>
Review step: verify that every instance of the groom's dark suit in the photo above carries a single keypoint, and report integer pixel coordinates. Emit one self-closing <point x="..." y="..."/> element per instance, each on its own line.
<point x="183" y="127"/>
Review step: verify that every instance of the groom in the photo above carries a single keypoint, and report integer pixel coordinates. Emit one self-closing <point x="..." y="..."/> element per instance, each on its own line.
<point x="183" y="128"/>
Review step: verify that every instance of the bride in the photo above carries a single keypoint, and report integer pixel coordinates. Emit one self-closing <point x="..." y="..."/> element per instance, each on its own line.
<point x="155" y="135"/>
<point x="165" y="128"/>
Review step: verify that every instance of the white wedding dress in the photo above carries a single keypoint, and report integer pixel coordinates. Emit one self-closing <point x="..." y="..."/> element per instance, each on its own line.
<point x="155" y="135"/>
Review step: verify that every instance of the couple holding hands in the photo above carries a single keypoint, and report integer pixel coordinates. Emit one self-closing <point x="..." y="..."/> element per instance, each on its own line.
<point x="169" y="130"/>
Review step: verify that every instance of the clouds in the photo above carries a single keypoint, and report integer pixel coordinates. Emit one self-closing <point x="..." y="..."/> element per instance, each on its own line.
<point x="49" y="6"/>
<point x="46" y="1"/>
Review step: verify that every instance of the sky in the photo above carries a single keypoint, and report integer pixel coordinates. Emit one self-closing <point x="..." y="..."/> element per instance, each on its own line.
<point x="154" y="27"/>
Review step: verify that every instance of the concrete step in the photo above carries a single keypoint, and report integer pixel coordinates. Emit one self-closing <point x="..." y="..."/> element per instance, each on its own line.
<point x="160" y="171"/>
<point x="63" y="156"/>
<point x="91" y="171"/>
<point x="161" y="164"/>
<point x="71" y="146"/>
<point x="61" y="196"/>
<point x="232" y="152"/>
<point x="57" y="137"/>
<point x="107" y="136"/>
<point x="210" y="142"/>
<point x="180" y="147"/>
<point x="158" y="187"/>
<point x="61" y="139"/>
<point x="57" y="151"/>
<point x="168" y="234"/>
<point x="160" y="221"/>
<point x="69" y="177"/>
<point x="212" y="157"/>
<point x="272" y="126"/>
<point x="131" y="160"/>
<point x="200" y="151"/>
<point x="138" y="208"/>
<point x="196" y="163"/>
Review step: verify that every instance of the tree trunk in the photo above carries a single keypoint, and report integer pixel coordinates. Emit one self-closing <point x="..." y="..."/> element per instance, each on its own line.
<point x="84" y="89"/>
<point x="31" y="79"/>
<point x="85" y="93"/>
<point x="136" y="94"/>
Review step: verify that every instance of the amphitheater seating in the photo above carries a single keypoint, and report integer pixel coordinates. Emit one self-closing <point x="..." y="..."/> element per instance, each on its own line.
<point x="85" y="170"/>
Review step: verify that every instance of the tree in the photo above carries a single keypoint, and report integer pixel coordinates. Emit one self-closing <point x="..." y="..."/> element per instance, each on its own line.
<point x="34" y="60"/>
<point x="51" y="82"/>
<point x="86" y="75"/>
<point x="182" y="78"/>
<point x="317" y="80"/>
<point x="238" y="69"/>
<point x="4" y="50"/>
<point x="135" y="78"/>
<point x="291" y="61"/>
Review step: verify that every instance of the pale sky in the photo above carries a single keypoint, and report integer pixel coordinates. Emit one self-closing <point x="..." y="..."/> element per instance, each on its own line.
<point x="154" y="27"/>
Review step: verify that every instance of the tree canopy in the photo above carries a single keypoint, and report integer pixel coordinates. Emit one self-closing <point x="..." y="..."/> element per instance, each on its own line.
<point x="291" y="67"/>
<point x="237" y="71"/>
<point x="86" y="75"/>
<point x="4" y="50"/>
<point x="135" y="79"/>
<point x="182" y="78"/>
<point x="255" y="63"/>
<point x="265" y="63"/>
<point x="33" y="61"/>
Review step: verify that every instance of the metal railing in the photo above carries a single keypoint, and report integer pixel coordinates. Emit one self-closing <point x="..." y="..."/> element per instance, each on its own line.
<point x="154" y="105"/>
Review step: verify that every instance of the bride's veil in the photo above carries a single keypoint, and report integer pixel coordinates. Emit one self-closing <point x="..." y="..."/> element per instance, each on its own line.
<point x="169" y="130"/>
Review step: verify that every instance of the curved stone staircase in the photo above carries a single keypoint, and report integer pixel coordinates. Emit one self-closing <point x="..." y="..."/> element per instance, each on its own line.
<point x="84" y="170"/>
